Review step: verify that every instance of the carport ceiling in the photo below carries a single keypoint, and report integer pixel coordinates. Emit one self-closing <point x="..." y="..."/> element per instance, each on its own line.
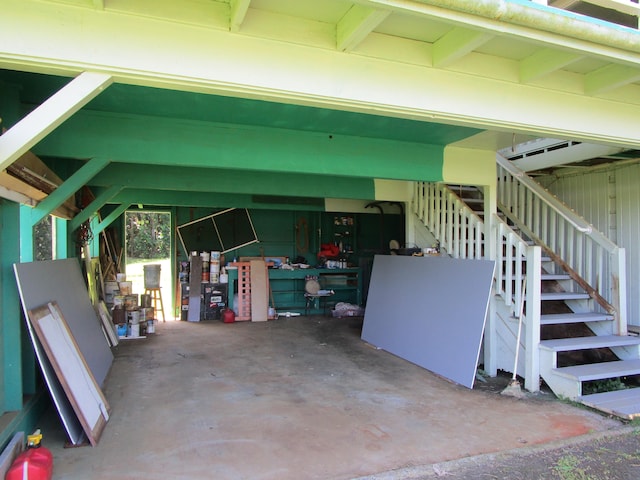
<point x="228" y="150"/>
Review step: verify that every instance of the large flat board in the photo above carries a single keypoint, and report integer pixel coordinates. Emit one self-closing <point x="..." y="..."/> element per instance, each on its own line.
<point x="62" y="281"/>
<point x="80" y="386"/>
<point x="259" y="291"/>
<point x="195" y="280"/>
<point x="71" y="423"/>
<point x="430" y="311"/>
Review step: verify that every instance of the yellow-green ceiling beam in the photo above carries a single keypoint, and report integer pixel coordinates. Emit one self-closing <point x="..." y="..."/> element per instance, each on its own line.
<point x="356" y="24"/>
<point x="238" y="11"/>
<point x="545" y="61"/>
<point x="609" y="78"/>
<point x="456" y="44"/>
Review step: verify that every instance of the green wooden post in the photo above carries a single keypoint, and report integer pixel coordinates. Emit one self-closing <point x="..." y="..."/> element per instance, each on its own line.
<point x="26" y="255"/>
<point x="10" y="316"/>
<point x="61" y="236"/>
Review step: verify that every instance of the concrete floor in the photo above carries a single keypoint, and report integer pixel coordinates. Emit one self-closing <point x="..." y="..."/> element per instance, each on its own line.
<point x="299" y="397"/>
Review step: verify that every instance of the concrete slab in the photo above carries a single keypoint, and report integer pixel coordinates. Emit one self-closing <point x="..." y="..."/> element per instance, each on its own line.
<point x="299" y="397"/>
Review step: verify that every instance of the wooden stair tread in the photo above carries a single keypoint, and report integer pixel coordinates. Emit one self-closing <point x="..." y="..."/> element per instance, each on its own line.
<point x="598" y="371"/>
<point x="558" y="318"/>
<point x="564" y="296"/>
<point x="583" y="343"/>
<point x="623" y="403"/>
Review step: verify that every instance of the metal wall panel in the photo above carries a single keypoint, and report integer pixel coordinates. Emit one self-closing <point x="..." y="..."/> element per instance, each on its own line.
<point x="628" y="215"/>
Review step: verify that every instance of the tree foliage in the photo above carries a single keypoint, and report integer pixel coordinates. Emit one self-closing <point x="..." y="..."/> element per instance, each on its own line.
<point x="148" y="234"/>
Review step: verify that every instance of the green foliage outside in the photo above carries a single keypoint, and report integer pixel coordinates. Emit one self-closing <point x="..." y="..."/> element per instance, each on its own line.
<point x="148" y="234"/>
<point x="42" y="239"/>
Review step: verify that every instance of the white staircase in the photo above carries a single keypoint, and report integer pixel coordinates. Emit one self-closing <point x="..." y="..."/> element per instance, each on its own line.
<point x="575" y="318"/>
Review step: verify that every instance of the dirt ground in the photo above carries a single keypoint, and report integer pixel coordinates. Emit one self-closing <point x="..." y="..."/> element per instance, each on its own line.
<point x="613" y="455"/>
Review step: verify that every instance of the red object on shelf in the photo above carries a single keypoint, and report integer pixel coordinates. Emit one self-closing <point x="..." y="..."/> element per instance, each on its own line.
<point x="32" y="464"/>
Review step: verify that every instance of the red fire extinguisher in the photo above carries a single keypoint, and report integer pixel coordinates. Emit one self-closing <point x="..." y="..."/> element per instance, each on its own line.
<point x="35" y="463"/>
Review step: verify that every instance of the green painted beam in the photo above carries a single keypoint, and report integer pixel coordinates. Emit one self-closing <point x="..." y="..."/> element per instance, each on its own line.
<point x="46" y="117"/>
<point x="544" y="62"/>
<point x="91" y="209"/>
<point x="159" y="141"/>
<point x="158" y="198"/>
<point x="231" y="181"/>
<point x="68" y="188"/>
<point x="114" y="215"/>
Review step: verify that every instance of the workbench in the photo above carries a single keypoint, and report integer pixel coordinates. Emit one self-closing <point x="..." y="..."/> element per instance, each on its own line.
<point x="287" y="286"/>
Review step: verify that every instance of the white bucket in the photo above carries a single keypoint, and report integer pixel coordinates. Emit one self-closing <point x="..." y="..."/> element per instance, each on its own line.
<point x="121" y="277"/>
<point x="152" y="276"/>
<point x="134" y="317"/>
<point x="135" y="330"/>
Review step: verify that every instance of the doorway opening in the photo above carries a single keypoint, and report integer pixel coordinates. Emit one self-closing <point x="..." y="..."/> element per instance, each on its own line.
<point x="148" y="242"/>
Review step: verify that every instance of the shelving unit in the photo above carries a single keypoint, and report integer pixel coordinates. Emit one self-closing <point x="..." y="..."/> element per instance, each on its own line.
<point x="288" y="286"/>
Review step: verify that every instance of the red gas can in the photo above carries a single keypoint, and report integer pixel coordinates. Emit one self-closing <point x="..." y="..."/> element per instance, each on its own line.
<point x="228" y="316"/>
<point x="32" y="464"/>
<point x="35" y="463"/>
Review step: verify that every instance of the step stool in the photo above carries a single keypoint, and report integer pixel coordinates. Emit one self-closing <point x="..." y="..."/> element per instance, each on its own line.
<point x="156" y="297"/>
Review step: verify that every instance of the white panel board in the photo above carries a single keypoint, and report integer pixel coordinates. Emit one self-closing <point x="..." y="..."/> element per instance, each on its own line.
<point x="80" y="386"/>
<point x="430" y="311"/>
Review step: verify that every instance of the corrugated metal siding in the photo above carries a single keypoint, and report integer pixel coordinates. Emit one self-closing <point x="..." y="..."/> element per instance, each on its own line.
<point x="628" y="208"/>
<point x="610" y="200"/>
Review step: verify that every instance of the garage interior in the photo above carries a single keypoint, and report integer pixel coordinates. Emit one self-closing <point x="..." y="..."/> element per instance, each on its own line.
<point x="301" y="133"/>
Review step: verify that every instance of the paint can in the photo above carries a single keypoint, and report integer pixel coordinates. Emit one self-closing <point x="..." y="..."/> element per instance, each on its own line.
<point x="134" y="330"/>
<point x="152" y="276"/>
<point x="121" y="277"/>
<point x="151" y="327"/>
<point x="205" y="276"/>
<point x="118" y="316"/>
<point x="125" y="288"/>
<point x="145" y="300"/>
<point x="118" y="301"/>
<point x="131" y="302"/>
<point x="134" y="317"/>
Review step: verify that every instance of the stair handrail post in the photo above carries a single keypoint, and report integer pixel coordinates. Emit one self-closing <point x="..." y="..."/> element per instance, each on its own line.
<point x="532" y="319"/>
<point x="619" y="291"/>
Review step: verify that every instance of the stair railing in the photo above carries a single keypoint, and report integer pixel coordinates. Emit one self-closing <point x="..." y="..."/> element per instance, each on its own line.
<point x="460" y="232"/>
<point x="589" y="257"/>
<point x="459" y="229"/>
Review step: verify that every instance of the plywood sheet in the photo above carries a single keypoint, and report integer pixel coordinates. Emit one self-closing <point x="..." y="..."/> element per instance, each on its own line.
<point x="79" y="384"/>
<point x="62" y="281"/>
<point x="259" y="291"/>
<point x="430" y="311"/>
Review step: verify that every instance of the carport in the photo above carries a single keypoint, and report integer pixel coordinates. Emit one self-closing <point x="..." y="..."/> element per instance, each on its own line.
<point x="234" y="104"/>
